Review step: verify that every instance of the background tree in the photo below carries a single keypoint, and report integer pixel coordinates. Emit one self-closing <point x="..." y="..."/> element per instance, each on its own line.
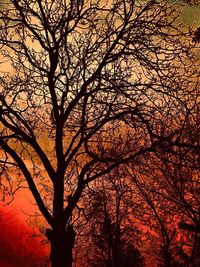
<point x="161" y="216"/>
<point x="83" y="72"/>
<point x="112" y="234"/>
<point x="169" y="183"/>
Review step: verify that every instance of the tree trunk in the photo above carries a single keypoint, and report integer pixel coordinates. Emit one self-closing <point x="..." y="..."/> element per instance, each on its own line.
<point x="62" y="242"/>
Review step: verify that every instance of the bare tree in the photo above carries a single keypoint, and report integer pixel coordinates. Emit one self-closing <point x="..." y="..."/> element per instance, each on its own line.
<point x="169" y="183"/>
<point x="81" y="70"/>
<point x="111" y="234"/>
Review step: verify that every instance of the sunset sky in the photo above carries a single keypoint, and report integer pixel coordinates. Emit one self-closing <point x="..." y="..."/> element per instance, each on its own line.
<point x="21" y="242"/>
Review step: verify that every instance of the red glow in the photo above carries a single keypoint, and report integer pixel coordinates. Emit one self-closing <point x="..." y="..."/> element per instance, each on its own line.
<point x="18" y="247"/>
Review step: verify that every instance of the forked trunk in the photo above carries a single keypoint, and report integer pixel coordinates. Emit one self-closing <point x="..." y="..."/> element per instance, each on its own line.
<point x="62" y="243"/>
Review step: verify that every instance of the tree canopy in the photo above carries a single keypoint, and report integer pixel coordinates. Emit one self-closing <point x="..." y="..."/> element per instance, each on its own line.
<point x="93" y="85"/>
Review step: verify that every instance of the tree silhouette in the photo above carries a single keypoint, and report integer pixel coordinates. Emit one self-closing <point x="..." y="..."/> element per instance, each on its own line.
<point x="107" y="234"/>
<point x="169" y="183"/>
<point x="85" y="75"/>
<point x="111" y="234"/>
